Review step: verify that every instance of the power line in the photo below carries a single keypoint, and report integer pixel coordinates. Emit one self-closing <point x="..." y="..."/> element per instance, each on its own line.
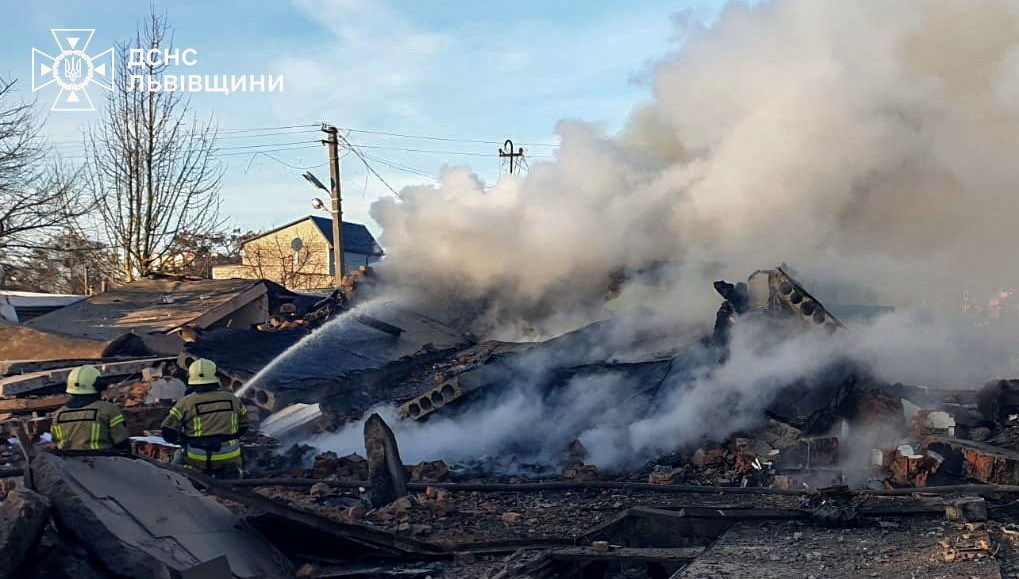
<point x="235" y="133"/>
<point x="280" y="161"/>
<point x="265" y="151"/>
<point x="218" y="154"/>
<point x="446" y="139"/>
<point x="367" y="165"/>
<point x="404" y="168"/>
<point x="266" y="148"/>
<point x="63" y="143"/>
<point x="437" y="151"/>
<point x="213" y="155"/>
<point x="251" y="129"/>
<point x="385" y="148"/>
<point x="226" y="148"/>
<point x="263" y="145"/>
<point x="379" y="147"/>
<point x="258" y="135"/>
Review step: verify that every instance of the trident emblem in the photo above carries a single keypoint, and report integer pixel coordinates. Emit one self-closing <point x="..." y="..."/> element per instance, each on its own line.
<point x="72" y="68"/>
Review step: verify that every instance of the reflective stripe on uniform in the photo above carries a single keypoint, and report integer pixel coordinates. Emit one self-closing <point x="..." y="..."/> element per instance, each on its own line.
<point x="233" y="424"/>
<point x="94" y="439"/>
<point x="229" y="451"/>
<point x="196" y="426"/>
<point x="90" y="427"/>
<point x="176" y="413"/>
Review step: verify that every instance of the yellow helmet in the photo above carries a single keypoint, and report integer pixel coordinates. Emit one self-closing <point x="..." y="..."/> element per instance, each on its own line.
<point x="82" y="380"/>
<point x="202" y="371"/>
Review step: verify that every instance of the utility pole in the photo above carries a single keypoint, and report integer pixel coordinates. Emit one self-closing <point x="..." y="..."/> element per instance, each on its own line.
<point x="506" y="151"/>
<point x="332" y="142"/>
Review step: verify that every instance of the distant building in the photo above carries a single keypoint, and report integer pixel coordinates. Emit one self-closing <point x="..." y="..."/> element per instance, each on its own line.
<point x="19" y="307"/>
<point x="299" y="255"/>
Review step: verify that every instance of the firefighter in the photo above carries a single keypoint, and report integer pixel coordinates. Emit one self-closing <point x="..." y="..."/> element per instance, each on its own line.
<point x="87" y="423"/>
<point x="207" y="422"/>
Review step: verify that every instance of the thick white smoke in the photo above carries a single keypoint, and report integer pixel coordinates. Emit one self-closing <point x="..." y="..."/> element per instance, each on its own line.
<point x="867" y="140"/>
<point x="622" y="426"/>
<point x="868" y="143"/>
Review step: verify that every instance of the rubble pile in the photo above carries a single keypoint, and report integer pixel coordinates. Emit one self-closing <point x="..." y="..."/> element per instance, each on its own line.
<point x="841" y="475"/>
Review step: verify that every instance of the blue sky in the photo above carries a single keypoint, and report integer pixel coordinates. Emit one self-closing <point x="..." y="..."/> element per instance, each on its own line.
<point x="454" y="69"/>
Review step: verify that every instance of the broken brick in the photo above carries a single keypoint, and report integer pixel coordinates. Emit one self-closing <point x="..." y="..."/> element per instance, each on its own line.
<point x="511" y="518"/>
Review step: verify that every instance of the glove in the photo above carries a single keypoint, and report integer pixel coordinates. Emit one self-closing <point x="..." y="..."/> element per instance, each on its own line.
<point x="171" y="435"/>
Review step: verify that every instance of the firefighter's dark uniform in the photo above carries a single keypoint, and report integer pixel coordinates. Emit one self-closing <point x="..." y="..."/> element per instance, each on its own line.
<point x="87" y="423"/>
<point x="207" y="422"/>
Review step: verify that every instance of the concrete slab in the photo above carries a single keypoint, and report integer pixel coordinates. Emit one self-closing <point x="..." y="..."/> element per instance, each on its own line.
<point x="23" y="515"/>
<point x="295" y="421"/>
<point x="143" y="521"/>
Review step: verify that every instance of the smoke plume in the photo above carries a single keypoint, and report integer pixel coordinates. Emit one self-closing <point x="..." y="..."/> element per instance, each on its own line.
<point x="624" y="421"/>
<point x="866" y="141"/>
<point x="869" y="144"/>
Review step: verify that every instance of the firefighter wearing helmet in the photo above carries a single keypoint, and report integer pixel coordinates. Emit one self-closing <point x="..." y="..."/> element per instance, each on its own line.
<point x="87" y="423"/>
<point x="207" y="422"/>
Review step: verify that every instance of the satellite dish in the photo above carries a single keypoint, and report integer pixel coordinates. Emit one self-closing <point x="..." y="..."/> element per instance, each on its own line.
<point x="297" y="244"/>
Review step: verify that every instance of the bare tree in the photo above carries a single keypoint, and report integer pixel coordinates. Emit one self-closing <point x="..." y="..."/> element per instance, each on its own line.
<point x="150" y="167"/>
<point x="273" y="259"/>
<point x="67" y="264"/>
<point x="194" y="255"/>
<point x="36" y="196"/>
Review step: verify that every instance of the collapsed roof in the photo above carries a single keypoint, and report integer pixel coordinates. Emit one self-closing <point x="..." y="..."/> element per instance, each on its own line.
<point x="160" y="306"/>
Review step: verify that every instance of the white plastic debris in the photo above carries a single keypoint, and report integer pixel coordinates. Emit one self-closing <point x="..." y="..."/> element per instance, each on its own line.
<point x="877" y="458"/>
<point x="154" y="440"/>
<point x="940" y="420"/>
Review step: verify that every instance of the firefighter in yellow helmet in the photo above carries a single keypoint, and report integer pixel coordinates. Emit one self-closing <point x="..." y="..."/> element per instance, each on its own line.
<point x="207" y="422"/>
<point x="87" y="423"/>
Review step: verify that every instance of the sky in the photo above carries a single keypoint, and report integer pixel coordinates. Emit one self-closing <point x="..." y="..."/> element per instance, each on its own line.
<point x="453" y="69"/>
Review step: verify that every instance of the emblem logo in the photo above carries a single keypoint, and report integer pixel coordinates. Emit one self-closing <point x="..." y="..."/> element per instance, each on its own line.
<point x="73" y="70"/>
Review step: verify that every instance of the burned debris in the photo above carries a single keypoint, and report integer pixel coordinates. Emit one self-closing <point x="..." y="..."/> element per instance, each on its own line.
<point x="834" y="473"/>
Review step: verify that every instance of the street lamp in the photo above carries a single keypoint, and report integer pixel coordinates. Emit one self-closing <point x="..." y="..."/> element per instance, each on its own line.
<point x="311" y="178"/>
<point x="337" y="224"/>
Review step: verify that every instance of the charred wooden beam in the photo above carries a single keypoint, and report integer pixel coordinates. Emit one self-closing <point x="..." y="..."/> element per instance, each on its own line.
<point x="22" y="383"/>
<point x="29" y="405"/>
<point x="979" y="489"/>
<point x="379" y="325"/>
<point x="626" y="554"/>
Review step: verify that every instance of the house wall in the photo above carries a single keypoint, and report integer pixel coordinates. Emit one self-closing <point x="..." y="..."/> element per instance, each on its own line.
<point x="231" y="271"/>
<point x="352" y="261"/>
<point x="271" y="257"/>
